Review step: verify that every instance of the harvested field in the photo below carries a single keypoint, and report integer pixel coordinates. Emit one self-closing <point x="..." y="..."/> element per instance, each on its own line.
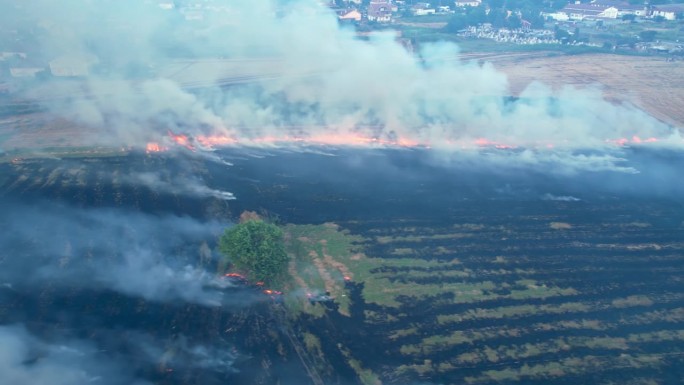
<point x="651" y="83"/>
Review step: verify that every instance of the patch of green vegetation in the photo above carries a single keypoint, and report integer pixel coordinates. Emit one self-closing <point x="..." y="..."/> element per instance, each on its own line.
<point x="366" y="376"/>
<point x="421" y="238"/>
<point x="62" y="152"/>
<point x="312" y="344"/>
<point x="675" y="315"/>
<point x="632" y="301"/>
<point x="574" y="366"/>
<point x="401" y="333"/>
<point x="661" y="335"/>
<point x="256" y="248"/>
<point x="321" y="256"/>
<point x="436" y="343"/>
<point x="515" y="311"/>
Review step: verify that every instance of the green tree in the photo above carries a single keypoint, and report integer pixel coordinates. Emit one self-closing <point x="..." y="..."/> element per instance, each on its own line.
<point x="628" y="17"/>
<point x="457" y="23"/>
<point x="534" y="17"/>
<point x="648" y="35"/>
<point x="476" y="15"/>
<point x="497" y="17"/>
<point x="561" y="35"/>
<point x="256" y="248"/>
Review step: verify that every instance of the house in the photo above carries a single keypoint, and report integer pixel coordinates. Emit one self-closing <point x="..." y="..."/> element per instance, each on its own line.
<point x="72" y="65"/>
<point x="589" y="11"/>
<point x="350" y="15"/>
<point x="422" y="9"/>
<point x="636" y="10"/>
<point x="25" y="70"/>
<point x="623" y="7"/>
<point x="12" y="55"/>
<point x="468" y="3"/>
<point x="558" y="16"/>
<point x="380" y="11"/>
<point x="166" y="5"/>
<point x="610" y="3"/>
<point x="669" y="12"/>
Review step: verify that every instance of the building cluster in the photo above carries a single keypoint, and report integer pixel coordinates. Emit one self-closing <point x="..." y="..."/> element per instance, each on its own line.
<point x="522" y="36"/>
<point x="22" y="65"/>
<point x="385" y="11"/>
<point x="614" y="9"/>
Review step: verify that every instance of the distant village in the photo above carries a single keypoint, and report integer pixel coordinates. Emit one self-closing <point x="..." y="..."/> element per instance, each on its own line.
<point x="534" y="22"/>
<point x="388" y="11"/>
<point x="540" y="25"/>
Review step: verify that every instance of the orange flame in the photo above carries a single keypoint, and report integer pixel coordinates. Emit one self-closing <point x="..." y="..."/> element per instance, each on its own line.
<point x="360" y="140"/>
<point x="154" y="147"/>
<point x="182" y="140"/>
<point x="235" y="275"/>
<point x="215" y="140"/>
<point x="634" y="140"/>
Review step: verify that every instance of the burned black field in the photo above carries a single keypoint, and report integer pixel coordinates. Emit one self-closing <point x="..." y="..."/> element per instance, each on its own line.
<point x="457" y="273"/>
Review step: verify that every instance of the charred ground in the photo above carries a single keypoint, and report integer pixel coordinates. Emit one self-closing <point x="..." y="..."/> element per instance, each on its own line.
<point x="458" y="273"/>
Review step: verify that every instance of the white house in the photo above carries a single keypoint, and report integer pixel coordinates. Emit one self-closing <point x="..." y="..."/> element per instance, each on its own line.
<point x="10" y="55"/>
<point x="669" y="12"/>
<point x="25" y="72"/>
<point x="468" y="3"/>
<point x="558" y="16"/>
<point x="624" y="7"/>
<point x="380" y="11"/>
<point x="636" y="10"/>
<point x="589" y="11"/>
<point x="422" y="9"/>
<point x="72" y="65"/>
<point x="350" y="15"/>
<point x="166" y="5"/>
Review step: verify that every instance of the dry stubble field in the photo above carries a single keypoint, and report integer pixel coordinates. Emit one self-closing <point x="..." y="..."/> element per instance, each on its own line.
<point x="652" y="83"/>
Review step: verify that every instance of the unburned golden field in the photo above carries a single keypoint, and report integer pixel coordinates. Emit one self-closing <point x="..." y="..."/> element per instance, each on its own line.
<point x="651" y="83"/>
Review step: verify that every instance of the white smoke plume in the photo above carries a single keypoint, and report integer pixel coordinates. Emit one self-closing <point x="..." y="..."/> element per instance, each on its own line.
<point x="182" y="185"/>
<point x="153" y="257"/>
<point x="560" y="198"/>
<point x="288" y="70"/>
<point x="26" y="359"/>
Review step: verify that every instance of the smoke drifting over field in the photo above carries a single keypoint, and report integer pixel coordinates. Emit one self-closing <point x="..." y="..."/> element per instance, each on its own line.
<point x="26" y="359"/>
<point x="58" y="358"/>
<point x="306" y="78"/>
<point x="136" y="254"/>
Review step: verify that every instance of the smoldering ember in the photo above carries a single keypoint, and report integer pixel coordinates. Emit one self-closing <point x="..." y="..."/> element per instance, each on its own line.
<point x="341" y="192"/>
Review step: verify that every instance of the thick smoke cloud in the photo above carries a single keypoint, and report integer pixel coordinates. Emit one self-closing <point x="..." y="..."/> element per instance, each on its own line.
<point x="155" y="257"/>
<point x="305" y="76"/>
<point x="27" y="360"/>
